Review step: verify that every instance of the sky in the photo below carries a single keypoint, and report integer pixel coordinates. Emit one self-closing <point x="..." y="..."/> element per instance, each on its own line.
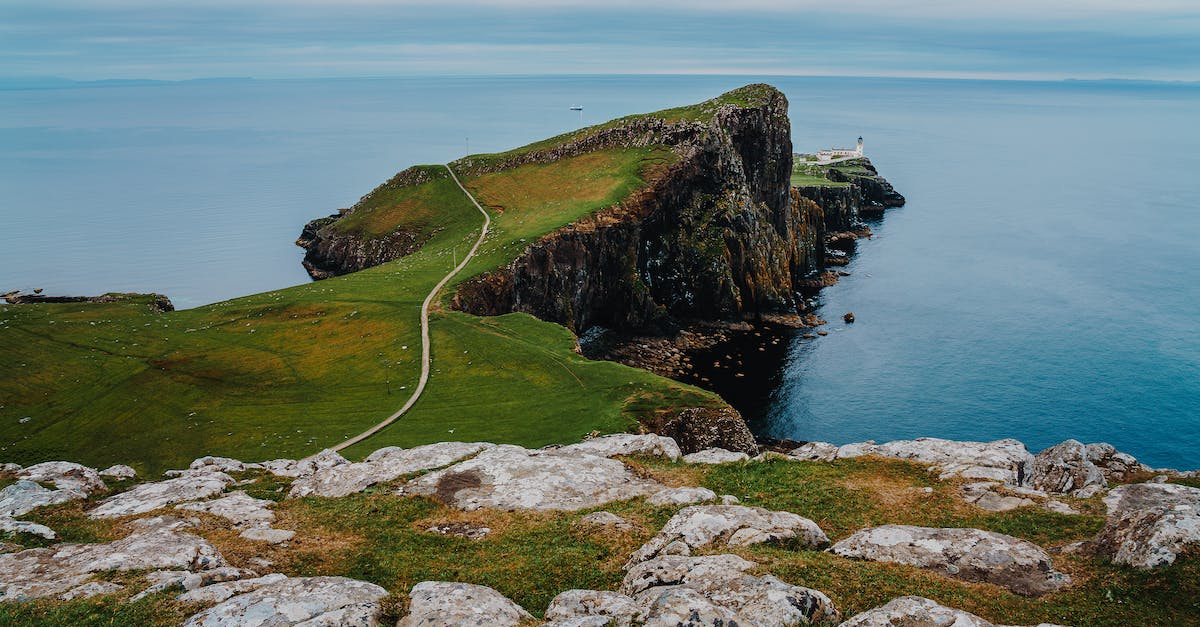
<point x="1009" y="39"/>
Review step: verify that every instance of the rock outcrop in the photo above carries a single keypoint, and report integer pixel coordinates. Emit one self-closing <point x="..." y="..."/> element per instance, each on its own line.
<point x="148" y="497"/>
<point x="967" y="554"/>
<point x="1150" y="524"/>
<point x="298" y="601"/>
<point x="452" y="603"/>
<point x="510" y="477"/>
<point x="733" y="525"/>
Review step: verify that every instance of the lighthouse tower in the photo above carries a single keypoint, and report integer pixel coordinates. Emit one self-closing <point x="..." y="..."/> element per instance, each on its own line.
<point x="859" y="146"/>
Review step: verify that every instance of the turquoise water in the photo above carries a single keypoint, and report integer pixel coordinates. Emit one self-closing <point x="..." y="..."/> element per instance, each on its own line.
<point x="1042" y="282"/>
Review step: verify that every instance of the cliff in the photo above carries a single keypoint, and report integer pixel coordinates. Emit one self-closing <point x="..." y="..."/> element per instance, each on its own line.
<point x="718" y="235"/>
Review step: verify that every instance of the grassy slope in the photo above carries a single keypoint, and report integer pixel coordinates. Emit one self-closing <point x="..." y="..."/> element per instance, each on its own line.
<point x="530" y="557"/>
<point x="286" y="373"/>
<point x="810" y="175"/>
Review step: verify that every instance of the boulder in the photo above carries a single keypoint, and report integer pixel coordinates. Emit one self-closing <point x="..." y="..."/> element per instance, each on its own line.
<point x="1116" y="466"/>
<point x="715" y="456"/>
<point x="720" y="581"/>
<point x="674" y="607"/>
<point x="815" y="452"/>
<point x="65" y="476"/>
<point x="733" y="525"/>
<point x="383" y="465"/>
<point x="444" y="603"/>
<point x="304" y="467"/>
<point x="681" y="496"/>
<point x="55" y="570"/>
<point x="967" y="554"/>
<point x="221" y="464"/>
<point x="8" y="525"/>
<point x="1064" y="469"/>
<point x="648" y="445"/>
<point x="513" y="478"/>
<point x="118" y="472"/>
<point x="243" y="510"/>
<point x="24" y="496"/>
<point x="614" y="607"/>
<point x="218" y="592"/>
<point x="985" y="495"/>
<point x="148" y="497"/>
<point x="298" y="600"/>
<point x="1149" y="524"/>
<point x="1005" y="460"/>
<point x="698" y="428"/>
<point x="915" y="611"/>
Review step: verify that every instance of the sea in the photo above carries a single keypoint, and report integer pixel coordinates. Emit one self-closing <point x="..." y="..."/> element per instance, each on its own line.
<point x="1042" y="283"/>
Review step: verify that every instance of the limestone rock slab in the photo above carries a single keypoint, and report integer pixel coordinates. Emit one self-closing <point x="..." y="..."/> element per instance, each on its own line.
<point x="243" y="510"/>
<point x="446" y="604"/>
<point x="648" y="444"/>
<point x="915" y="611"/>
<point x="614" y="607"/>
<point x="298" y="601"/>
<point x="734" y="525"/>
<point x="383" y="465"/>
<point x="1149" y="524"/>
<point x="967" y="554"/>
<point x="1064" y="469"/>
<point x="148" y="497"/>
<point x="24" y="496"/>
<point x="513" y="478"/>
<point x="815" y="452"/>
<point x="119" y="471"/>
<point x="65" y="476"/>
<point x="1001" y="460"/>
<point x="682" y="496"/>
<point x="715" y="456"/>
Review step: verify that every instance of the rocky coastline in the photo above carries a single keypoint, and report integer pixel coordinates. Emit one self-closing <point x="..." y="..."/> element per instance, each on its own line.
<point x="157" y="302"/>
<point x="678" y="574"/>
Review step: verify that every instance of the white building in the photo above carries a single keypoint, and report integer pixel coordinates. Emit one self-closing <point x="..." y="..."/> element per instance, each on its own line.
<point x="841" y="153"/>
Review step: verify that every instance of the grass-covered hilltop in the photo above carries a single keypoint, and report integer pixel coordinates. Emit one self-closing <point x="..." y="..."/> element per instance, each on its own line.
<point x="163" y="467"/>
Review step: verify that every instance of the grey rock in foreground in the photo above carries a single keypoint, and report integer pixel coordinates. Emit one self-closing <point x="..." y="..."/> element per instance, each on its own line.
<point x="1149" y="524"/>
<point x="1064" y="468"/>
<point x="308" y="601"/>
<point x="614" y="607"/>
<point x="733" y="525"/>
<point x="718" y="587"/>
<point x="648" y="444"/>
<point x="55" y="570"/>
<point x="915" y="612"/>
<point x="148" y="497"/>
<point x="384" y="465"/>
<point x="967" y="554"/>
<point x="8" y="525"/>
<point x="243" y="510"/>
<point x="65" y="476"/>
<point x="1001" y="460"/>
<point x="446" y="604"/>
<point x="512" y="478"/>
<point x="682" y="496"/>
<point x="715" y="456"/>
<point x="24" y="496"/>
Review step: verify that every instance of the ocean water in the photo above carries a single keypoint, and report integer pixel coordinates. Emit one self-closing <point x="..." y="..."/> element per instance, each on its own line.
<point x="1042" y="282"/>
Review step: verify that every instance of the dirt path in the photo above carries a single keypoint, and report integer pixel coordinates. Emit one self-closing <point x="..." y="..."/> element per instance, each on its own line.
<point x="425" y="361"/>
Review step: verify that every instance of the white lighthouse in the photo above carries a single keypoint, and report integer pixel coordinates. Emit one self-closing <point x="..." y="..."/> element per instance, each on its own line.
<point x="859" y="148"/>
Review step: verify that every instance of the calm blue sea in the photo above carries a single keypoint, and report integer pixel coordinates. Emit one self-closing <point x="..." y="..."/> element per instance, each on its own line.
<point x="1042" y="283"/>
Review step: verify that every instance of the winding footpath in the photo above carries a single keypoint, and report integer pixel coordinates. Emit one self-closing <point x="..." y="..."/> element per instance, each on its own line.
<point x="425" y="350"/>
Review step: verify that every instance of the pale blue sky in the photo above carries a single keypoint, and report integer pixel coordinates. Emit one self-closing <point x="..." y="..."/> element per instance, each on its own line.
<point x="1020" y="39"/>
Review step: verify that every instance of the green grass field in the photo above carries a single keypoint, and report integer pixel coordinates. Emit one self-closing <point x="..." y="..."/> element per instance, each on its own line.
<point x="289" y="372"/>
<point x="810" y="175"/>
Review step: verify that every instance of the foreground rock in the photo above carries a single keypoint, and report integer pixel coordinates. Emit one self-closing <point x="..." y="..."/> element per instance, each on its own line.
<point x="243" y="510"/>
<point x="576" y="605"/>
<point x="915" y="611"/>
<point x="672" y="589"/>
<point x="1150" y="524"/>
<point x="65" y="476"/>
<point x="56" y="570"/>
<point x="512" y="478"/>
<point x="438" y="603"/>
<point x="1065" y="468"/>
<point x="967" y="554"/>
<point x="337" y="480"/>
<point x="732" y="525"/>
<point x="1001" y="460"/>
<point x="309" y="601"/>
<point x="715" y="456"/>
<point x="649" y="445"/>
<point x="148" y="497"/>
<point x="24" y="496"/>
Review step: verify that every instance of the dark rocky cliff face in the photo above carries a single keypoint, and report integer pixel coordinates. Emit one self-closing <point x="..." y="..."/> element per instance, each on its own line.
<point x="718" y="235"/>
